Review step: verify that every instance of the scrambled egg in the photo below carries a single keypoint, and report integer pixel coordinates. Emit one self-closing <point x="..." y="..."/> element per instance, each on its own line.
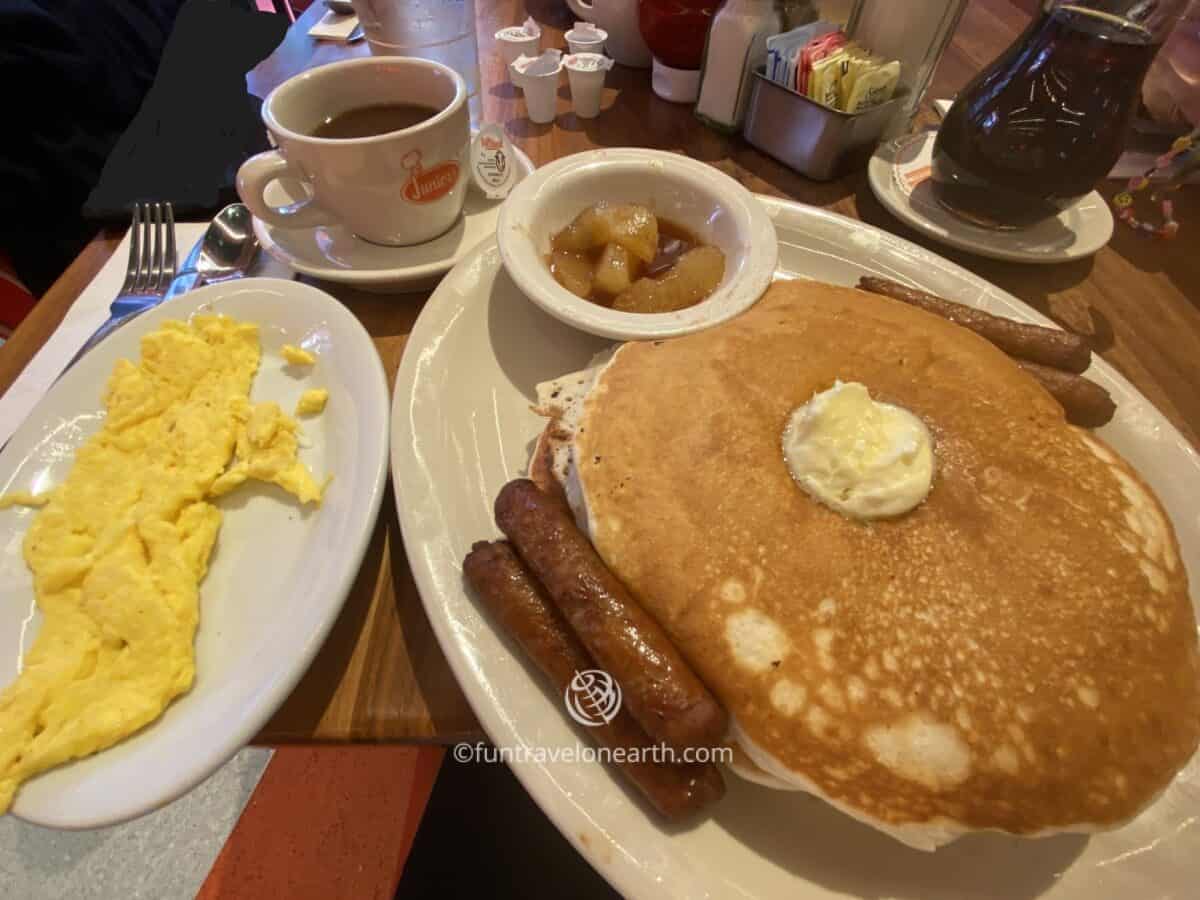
<point x="266" y="451"/>
<point x="295" y="356"/>
<point x="119" y="550"/>
<point x="312" y="403"/>
<point x="23" y="498"/>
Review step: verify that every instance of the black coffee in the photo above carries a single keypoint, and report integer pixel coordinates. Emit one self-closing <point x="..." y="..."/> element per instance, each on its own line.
<point x="371" y="120"/>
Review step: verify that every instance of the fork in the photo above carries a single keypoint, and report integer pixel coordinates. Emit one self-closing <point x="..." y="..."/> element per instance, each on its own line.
<point x="149" y="273"/>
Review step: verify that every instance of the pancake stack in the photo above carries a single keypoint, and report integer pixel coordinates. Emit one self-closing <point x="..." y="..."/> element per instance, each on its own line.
<point x="1017" y="653"/>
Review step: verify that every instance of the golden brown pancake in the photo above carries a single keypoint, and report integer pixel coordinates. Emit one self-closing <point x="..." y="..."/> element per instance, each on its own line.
<point x="1019" y="652"/>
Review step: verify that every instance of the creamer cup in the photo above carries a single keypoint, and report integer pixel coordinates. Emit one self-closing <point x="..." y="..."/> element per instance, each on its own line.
<point x="585" y="71"/>
<point x="537" y="76"/>
<point x="586" y="37"/>
<point x="519" y="40"/>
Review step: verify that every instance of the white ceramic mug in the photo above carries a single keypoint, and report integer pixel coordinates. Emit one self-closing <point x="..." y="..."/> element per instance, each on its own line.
<point x="398" y="188"/>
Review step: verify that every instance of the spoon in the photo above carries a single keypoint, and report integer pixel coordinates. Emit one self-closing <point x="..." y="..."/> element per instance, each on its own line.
<point x="225" y="252"/>
<point x="228" y="247"/>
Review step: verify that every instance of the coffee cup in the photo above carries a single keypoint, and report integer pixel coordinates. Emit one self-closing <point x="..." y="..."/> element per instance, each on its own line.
<point x="380" y="143"/>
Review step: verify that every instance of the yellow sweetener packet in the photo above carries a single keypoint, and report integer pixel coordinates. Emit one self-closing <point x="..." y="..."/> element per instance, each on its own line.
<point x="824" y="79"/>
<point x="857" y="62"/>
<point x="873" y="87"/>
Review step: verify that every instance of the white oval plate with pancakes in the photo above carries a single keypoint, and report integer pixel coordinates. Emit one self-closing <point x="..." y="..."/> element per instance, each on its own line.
<point x="462" y="427"/>
<point x="278" y="574"/>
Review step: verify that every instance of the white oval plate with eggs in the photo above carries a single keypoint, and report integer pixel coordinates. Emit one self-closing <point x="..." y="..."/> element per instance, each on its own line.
<point x="277" y="577"/>
<point x="462" y="427"/>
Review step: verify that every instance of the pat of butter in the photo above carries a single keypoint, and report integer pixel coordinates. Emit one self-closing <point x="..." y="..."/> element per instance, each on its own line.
<point x="864" y="459"/>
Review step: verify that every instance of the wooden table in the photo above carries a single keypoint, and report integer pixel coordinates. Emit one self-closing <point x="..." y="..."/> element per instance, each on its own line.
<point x="381" y="675"/>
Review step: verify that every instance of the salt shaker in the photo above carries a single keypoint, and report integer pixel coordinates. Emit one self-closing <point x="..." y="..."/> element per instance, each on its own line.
<point x="736" y="46"/>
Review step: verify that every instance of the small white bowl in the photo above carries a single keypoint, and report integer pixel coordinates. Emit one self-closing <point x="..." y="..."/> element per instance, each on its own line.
<point x="707" y="202"/>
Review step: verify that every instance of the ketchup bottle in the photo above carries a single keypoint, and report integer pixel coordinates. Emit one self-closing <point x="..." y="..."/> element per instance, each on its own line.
<point x="675" y="31"/>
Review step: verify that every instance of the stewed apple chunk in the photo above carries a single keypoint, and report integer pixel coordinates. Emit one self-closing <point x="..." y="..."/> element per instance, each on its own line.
<point x="616" y="270"/>
<point x="632" y="226"/>
<point x="572" y="271"/>
<point x="690" y="280"/>
<point x="622" y="255"/>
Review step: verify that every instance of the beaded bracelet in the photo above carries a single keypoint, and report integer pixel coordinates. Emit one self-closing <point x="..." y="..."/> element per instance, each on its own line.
<point x="1123" y="202"/>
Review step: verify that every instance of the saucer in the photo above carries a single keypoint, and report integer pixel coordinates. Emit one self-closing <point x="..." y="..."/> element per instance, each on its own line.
<point x="333" y="253"/>
<point x="899" y="175"/>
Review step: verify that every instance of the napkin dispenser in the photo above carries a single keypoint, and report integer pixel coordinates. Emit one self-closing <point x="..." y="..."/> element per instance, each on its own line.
<point x="813" y="139"/>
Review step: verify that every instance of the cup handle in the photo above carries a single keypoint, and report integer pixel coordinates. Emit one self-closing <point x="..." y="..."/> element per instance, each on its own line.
<point x="585" y="11"/>
<point x="252" y="180"/>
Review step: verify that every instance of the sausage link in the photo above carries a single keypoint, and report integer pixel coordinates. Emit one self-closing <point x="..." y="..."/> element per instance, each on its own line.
<point x="660" y="690"/>
<point x="1084" y="402"/>
<point x="1047" y="346"/>
<point x="517" y="603"/>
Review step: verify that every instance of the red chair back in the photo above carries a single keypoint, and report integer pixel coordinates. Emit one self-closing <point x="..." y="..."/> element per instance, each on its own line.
<point x="15" y="299"/>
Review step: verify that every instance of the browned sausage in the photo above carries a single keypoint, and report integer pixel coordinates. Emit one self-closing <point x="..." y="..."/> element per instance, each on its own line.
<point x="517" y="603"/>
<point x="660" y="690"/>
<point x="1085" y="403"/>
<point x="1048" y="346"/>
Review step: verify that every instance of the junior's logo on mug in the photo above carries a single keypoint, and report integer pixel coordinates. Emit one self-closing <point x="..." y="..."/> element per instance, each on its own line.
<point x="426" y="185"/>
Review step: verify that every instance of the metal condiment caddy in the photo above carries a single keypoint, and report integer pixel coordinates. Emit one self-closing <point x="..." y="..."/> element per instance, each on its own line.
<point x="823" y="143"/>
